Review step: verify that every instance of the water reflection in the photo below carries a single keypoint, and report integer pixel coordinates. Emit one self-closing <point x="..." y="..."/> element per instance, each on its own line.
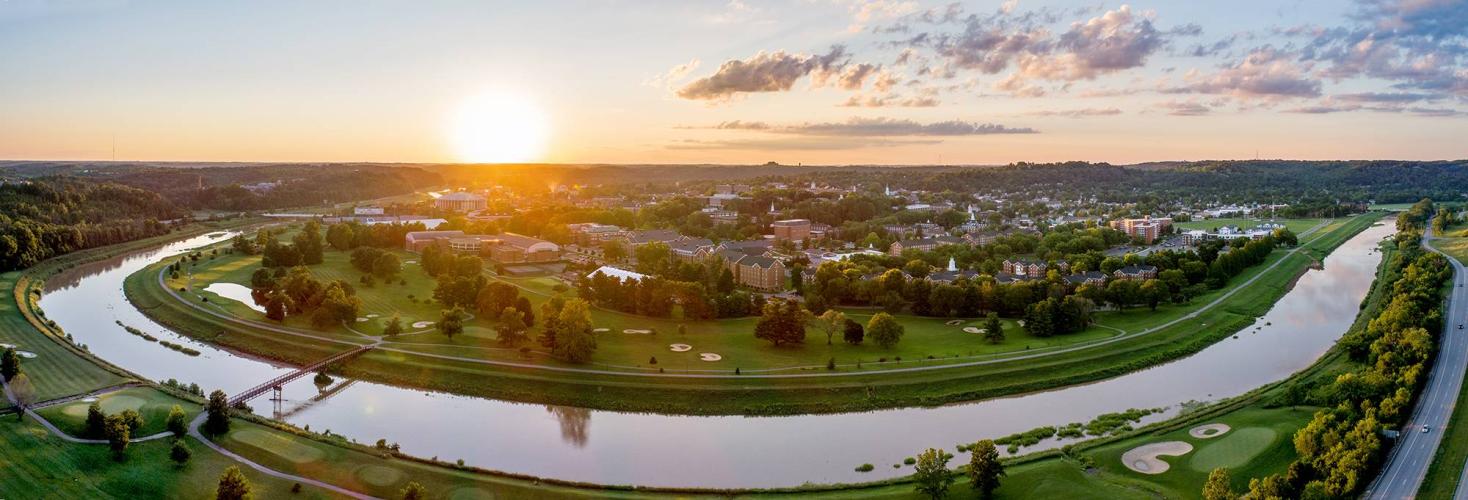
<point x="575" y="423"/>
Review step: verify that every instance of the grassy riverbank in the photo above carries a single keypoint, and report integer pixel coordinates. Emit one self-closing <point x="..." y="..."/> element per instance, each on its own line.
<point x="424" y="360"/>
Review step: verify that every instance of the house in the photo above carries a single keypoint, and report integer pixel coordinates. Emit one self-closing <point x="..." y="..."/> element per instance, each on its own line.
<point x="747" y="247"/>
<point x="461" y="202"/>
<point x="1026" y="267"/>
<point x="791" y="229"/>
<point x="367" y="211"/>
<point x="1093" y="278"/>
<point x="1007" y="278"/>
<point x="1142" y="272"/>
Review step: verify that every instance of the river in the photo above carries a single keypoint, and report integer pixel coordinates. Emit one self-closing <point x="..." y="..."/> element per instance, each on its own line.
<point x="701" y="451"/>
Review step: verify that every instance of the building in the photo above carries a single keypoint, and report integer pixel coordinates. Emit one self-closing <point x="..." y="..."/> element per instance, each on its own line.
<point x="593" y="234"/>
<point x="1146" y="229"/>
<point x="755" y="271"/>
<point x="639" y="238"/>
<point x="1143" y="272"/>
<point x="461" y="202"/>
<point x="791" y="229"/>
<point x="368" y="211"/>
<point x="1025" y="267"/>
<point x="617" y="273"/>
<point x="692" y="249"/>
<point x="1093" y="278"/>
<point x="507" y="248"/>
<point x="925" y="244"/>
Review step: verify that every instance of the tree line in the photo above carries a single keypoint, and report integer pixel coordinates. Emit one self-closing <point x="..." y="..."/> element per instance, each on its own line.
<point x="44" y="217"/>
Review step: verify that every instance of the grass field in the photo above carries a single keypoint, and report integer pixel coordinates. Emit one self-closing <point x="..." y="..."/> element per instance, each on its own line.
<point x="54" y="371"/>
<point x="1295" y="225"/>
<point x="152" y="404"/>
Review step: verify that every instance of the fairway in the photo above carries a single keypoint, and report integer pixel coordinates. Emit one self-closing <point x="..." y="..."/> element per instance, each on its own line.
<point x="277" y="444"/>
<point x="1234" y="449"/>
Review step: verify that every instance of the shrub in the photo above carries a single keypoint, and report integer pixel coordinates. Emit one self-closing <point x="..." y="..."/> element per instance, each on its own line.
<point x="865" y="468"/>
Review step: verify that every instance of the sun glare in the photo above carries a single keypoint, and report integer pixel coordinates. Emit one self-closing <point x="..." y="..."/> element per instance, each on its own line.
<point x="499" y="127"/>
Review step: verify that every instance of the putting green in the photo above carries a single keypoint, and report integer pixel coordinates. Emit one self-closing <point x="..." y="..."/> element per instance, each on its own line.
<point x="1233" y="450"/>
<point x="378" y="475"/>
<point x="110" y="404"/>
<point x="282" y="446"/>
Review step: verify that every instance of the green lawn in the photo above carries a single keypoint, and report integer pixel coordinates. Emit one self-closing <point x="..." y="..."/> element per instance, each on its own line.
<point x="870" y="386"/>
<point x="152" y="404"/>
<point x="1295" y="225"/>
<point x="54" y="371"/>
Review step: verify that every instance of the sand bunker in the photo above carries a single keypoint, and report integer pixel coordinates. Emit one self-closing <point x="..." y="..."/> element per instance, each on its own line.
<point x="680" y="347"/>
<point x="89" y="399"/>
<point x="410" y="262"/>
<point x="372" y="315"/>
<point x="7" y="346"/>
<point x="955" y="322"/>
<point x="1208" y="431"/>
<point x="422" y="324"/>
<point x="363" y="319"/>
<point x="708" y="356"/>
<point x="974" y="329"/>
<point x="600" y="330"/>
<point x="1144" y="459"/>
<point x="25" y="354"/>
<point x="635" y="331"/>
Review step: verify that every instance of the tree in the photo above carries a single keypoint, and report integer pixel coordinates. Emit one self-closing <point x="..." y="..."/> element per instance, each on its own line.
<point x="216" y="420"/>
<point x="993" y="329"/>
<point x="118" y="435"/>
<point x="413" y="491"/>
<point x="781" y="322"/>
<point x="451" y="322"/>
<point x="1152" y="292"/>
<point x="24" y="393"/>
<point x="308" y="243"/>
<point x="832" y="321"/>
<point x="511" y="330"/>
<point x="180" y="453"/>
<point x="853" y="333"/>
<point x="885" y="330"/>
<point x="394" y="326"/>
<point x="277" y="306"/>
<point x="233" y="485"/>
<point x="133" y="419"/>
<point x="917" y="269"/>
<point x="9" y="364"/>
<point x="177" y="423"/>
<point x="614" y="250"/>
<point x="96" y="421"/>
<point x="984" y="467"/>
<point x="1217" y="487"/>
<point x="574" y="340"/>
<point x="931" y="474"/>
<point x="387" y="265"/>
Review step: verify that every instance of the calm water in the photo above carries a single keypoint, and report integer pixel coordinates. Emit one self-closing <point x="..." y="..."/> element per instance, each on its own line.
<point x="662" y="450"/>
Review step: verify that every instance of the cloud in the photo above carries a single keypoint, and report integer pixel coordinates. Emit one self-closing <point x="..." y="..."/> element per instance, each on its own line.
<point x="798" y="144"/>
<point x="1386" y="97"/>
<point x="1185" y="108"/>
<point x="925" y="98"/>
<point x="1114" y="41"/>
<point x="670" y="78"/>
<point x="764" y="72"/>
<point x="1077" y="113"/>
<point x="1264" y="73"/>
<point x="735" y="11"/>
<point x="866" y="11"/>
<point x="879" y="127"/>
<point x="1330" y="106"/>
<point x="1417" y="44"/>
<point x="854" y="76"/>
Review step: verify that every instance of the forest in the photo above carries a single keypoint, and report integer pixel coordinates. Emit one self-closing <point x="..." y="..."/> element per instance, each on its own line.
<point x="49" y="216"/>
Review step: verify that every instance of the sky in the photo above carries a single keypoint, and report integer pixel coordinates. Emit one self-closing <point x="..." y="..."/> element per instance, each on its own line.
<point x="733" y="81"/>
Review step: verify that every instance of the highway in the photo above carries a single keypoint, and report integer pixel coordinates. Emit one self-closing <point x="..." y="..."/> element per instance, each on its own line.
<point x="1407" y="465"/>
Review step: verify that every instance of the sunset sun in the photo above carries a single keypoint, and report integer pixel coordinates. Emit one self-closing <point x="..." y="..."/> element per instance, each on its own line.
<point x="499" y="127"/>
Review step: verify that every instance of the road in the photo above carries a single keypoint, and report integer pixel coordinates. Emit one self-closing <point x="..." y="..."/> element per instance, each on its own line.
<point x="1407" y="465"/>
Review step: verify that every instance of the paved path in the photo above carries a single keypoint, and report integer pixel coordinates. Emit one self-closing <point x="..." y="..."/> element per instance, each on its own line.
<point x="1406" y="466"/>
<point x="30" y="411"/>
<point x="726" y="375"/>
<point x="194" y="431"/>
